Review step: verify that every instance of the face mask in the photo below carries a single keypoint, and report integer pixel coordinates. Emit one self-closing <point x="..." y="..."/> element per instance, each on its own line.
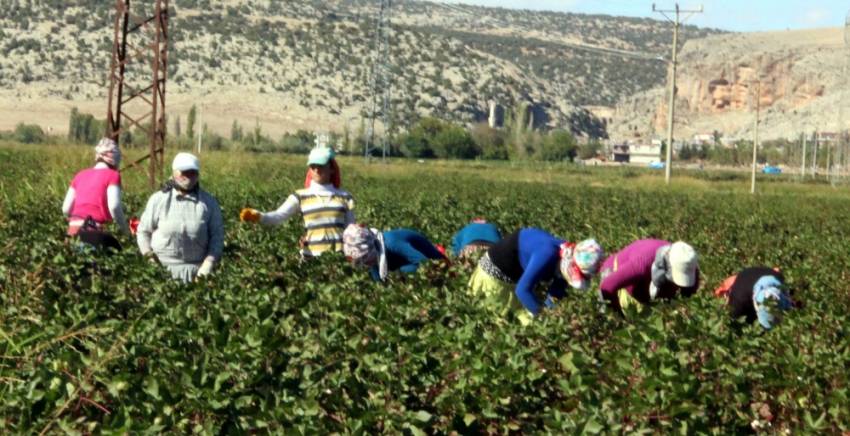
<point x="185" y="183"/>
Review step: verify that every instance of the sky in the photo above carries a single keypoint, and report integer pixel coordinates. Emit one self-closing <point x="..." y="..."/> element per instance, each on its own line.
<point x="734" y="15"/>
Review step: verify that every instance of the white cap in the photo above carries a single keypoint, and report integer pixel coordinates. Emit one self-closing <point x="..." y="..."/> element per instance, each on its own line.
<point x="320" y="156"/>
<point x="683" y="264"/>
<point x="185" y="162"/>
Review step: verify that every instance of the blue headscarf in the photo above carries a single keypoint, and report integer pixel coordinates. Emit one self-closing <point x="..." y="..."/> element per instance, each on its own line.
<point x="767" y="288"/>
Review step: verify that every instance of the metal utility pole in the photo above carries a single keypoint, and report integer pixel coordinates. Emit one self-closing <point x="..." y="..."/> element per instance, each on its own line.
<point x="756" y="139"/>
<point x="200" y="129"/>
<point x="137" y="77"/>
<point x="380" y="84"/>
<point x="803" y="164"/>
<point x="841" y="123"/>
<point x="671" y="105"/>
<point x="828" y="162"/>
<point x="815" y="156"/>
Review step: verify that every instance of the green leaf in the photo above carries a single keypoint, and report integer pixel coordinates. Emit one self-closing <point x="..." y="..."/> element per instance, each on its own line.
<point x="414" y="430"/>
<point x="592" y="427"/>
<point x="468" y="419"/>
<point x="423" y="416"/>
<point x="152" y="387"/>
<point x="566" y="361"/>
<point x="115" y="387"/>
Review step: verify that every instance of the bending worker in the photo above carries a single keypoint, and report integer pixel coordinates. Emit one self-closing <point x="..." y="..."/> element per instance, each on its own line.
<point x="508" y="273"/>
<point x="475" y="238"/>
<point x="756" y="293"/>
<point x="401" y="250"/>
<point x="649" y="269"/>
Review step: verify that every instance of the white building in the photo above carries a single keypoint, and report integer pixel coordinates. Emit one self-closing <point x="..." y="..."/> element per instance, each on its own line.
<point x="645" y="153"/>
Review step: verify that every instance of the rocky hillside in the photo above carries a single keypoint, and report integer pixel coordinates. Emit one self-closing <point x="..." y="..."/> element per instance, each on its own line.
<point x="801" y="77"/>
<point x="306" y="64"/>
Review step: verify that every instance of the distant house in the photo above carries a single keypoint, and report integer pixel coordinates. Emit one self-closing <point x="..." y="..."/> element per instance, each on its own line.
<point x="703" y="139"/>
<point x="827" y="137"/>
<point x="620" y="153"/>
<point x="639" y="153"/>
<point x="645" y="153"/>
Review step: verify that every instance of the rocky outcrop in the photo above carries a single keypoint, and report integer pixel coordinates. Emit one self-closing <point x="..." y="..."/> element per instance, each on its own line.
<point x="795" y="77"/>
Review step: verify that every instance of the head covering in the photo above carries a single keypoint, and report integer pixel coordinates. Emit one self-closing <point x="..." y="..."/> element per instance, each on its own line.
<point x="474" y="236"/>
<point x="107" y="151"/>
<point x="579" y="262"/>
<point x="683" y="264"/>
<point x="769" y="288"/>
<point x="185" y="162"/>
<point x="365" y="247"/>
<point x="323" y="156"/>
<point x="320" y="156"/>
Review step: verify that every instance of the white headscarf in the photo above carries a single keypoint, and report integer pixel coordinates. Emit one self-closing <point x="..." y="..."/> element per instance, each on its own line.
<point x="365" y="247"/>
<point x="107" y="151"/>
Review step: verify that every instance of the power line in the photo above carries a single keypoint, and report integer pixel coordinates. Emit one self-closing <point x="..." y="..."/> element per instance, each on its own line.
<point x="380" y="82"/>
<point x="672" y="78"/>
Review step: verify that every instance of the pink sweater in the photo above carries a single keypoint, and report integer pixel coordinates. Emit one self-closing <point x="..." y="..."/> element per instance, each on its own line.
<point x="633" y="270"/>
<point x="90" y="186"/>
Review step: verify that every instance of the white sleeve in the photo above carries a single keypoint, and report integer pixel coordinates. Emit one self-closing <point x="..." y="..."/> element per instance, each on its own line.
<point x="289" y="207"/>
<point x="147" y="224"/>
<point x="69" y="201"/>
<point x="113" y="202"/>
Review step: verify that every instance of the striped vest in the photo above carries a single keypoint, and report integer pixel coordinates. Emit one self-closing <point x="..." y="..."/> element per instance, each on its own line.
<point x="324" y="219"/>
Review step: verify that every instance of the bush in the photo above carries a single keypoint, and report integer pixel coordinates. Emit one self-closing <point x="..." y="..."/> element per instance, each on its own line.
<point x="85" y="129"/>
<point x="431" y="137"/>
<point x="491" y="142"/>
<point x="300" y="142"/>
<point x="29" y="133"/>
<point x="558" y="145"/>
<point x="454" y="142"/>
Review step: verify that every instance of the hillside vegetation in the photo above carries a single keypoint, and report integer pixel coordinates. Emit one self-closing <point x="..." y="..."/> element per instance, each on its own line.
<point x="308" y="63"/>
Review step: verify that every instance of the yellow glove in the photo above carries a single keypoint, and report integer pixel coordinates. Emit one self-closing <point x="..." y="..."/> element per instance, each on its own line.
<point x="250" y="215"/>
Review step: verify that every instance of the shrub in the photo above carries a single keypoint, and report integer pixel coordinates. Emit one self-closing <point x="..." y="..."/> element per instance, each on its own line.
<point x="29" y="133"/>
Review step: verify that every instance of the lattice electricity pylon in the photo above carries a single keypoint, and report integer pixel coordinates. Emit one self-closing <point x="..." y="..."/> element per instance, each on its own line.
<point x="138" y="71"/>
<point x="380" y="83"/>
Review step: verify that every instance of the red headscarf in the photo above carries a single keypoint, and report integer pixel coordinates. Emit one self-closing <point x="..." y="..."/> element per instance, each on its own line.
<point x="336" y="178"/>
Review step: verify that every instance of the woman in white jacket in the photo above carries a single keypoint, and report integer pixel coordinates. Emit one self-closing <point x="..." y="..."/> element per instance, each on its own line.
<point x="182" y="227"/>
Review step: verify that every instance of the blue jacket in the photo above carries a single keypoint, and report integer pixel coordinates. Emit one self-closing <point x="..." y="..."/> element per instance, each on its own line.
<point x="405" y="250"/>
<point x="528" y="257"/>
<point x="475" y="232"/>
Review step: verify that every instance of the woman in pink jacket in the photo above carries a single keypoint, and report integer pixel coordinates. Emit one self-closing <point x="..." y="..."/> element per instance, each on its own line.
<point x="649" y="269"/>
<point x="94" y="197"/>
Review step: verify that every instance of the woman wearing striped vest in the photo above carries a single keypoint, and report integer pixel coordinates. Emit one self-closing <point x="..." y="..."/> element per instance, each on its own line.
<point x="326" y="208"/>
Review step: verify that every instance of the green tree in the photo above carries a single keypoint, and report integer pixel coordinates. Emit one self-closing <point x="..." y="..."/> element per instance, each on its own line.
<point x="177" y="128"/>
<point x="492" y="142"/>
<point x="29" y="133"/>
<point x="73" y="124"/>
<point x="190" y="122"/>
<point x="236" y="132"/>
<point x="589" y="150"/>
<point x="519" y="120"/>
<point x="558" y="145"/>
<point x="454" y="142"/>
<point x="257" y="134"/>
